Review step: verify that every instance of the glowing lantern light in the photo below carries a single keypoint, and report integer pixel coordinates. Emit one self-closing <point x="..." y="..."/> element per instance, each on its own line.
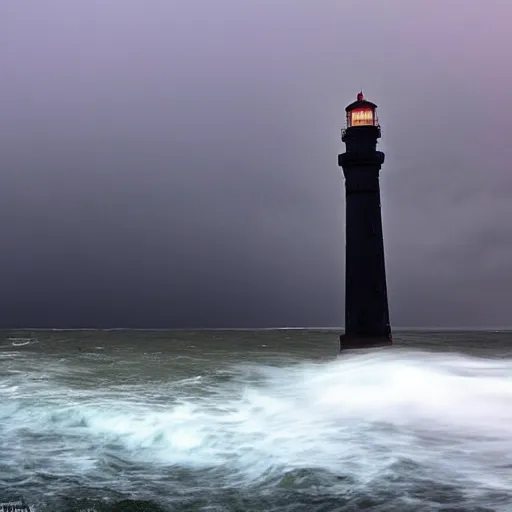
<point x="361" y="113"/>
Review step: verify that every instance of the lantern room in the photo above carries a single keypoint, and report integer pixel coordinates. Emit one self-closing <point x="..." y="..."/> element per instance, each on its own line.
<point x="361" y="113"/>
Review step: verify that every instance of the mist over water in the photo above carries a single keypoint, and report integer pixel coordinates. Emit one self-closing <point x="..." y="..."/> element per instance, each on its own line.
<point x="256" y="421"/>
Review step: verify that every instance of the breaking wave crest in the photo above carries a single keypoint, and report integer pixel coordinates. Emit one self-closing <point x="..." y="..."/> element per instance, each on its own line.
<point x="392" y="422"/>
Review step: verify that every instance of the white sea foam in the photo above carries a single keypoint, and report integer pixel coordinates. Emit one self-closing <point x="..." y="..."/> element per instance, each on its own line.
<point x="359" y="416"/>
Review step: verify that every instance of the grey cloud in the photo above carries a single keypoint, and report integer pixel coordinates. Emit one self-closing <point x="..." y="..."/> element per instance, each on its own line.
<point x="173" y="163"/>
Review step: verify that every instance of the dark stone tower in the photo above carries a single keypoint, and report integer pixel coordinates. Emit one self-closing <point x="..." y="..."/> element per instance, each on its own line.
<point x="366" y="300"/>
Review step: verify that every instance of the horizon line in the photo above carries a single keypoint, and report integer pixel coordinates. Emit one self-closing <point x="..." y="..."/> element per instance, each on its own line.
<point x="304" y="328"/>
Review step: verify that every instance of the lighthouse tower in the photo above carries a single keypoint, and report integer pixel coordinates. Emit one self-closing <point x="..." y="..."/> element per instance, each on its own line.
<point x="366" y="301"/>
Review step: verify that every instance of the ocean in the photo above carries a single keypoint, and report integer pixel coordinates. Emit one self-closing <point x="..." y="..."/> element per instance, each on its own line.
<point x="269" y="420"/>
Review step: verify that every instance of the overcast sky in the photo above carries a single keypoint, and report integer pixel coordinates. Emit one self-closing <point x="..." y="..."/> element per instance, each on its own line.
<point x="173" y="163"/>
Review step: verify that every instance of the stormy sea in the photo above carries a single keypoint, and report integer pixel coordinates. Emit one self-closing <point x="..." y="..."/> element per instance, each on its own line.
<point x="270" y="420"/>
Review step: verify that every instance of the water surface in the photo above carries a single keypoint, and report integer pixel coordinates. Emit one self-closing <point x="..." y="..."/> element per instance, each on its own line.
<point x="256" y="421"/>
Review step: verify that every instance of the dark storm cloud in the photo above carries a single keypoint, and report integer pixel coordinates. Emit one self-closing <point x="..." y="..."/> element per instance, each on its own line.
<point x="173" y="163"/>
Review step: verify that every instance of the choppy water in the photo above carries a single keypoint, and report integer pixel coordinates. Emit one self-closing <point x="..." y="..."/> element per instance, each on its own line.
<point x="256" y="421"/>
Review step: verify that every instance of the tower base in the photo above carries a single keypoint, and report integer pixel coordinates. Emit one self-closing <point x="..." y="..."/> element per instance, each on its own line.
<point x="350" y="342"/>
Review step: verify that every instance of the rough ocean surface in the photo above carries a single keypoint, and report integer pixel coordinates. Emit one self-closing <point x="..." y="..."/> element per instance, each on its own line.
<point x="255" y="421"/>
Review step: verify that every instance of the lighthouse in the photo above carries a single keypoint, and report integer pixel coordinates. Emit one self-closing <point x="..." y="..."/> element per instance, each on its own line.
<point x="366" y="301"/>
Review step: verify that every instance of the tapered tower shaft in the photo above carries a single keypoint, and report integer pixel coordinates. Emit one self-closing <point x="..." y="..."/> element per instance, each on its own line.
<point x="366" y="302"/>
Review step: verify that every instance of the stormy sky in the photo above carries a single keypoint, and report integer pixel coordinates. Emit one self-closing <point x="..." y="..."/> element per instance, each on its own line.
<point x="173" y="163"/>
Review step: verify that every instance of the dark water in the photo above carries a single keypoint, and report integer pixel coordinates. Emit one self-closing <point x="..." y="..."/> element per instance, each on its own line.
<point x="256" y="421"/>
